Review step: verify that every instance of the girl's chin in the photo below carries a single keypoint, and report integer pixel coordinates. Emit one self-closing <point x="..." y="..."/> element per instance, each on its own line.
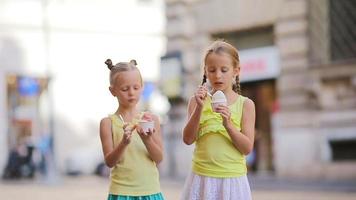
<point x="219" y="87"/>
<point x="132" y="101"/>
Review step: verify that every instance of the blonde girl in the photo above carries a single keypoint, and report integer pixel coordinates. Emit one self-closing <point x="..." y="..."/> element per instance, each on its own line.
<point x="222" y="137"/>
<point x="132" y="154"/>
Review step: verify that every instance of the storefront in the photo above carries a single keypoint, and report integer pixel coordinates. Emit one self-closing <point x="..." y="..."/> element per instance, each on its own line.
<point x="305" y="102"/>
<point x="29" y="140"/>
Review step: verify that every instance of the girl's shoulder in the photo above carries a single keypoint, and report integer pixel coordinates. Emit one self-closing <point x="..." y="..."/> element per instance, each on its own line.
<point x="248" y="104"/>
<point x="110" y="119"/>
<point x="105" y="126"/>
<point x="105" y="119"/>
<point x="245" y="99"/>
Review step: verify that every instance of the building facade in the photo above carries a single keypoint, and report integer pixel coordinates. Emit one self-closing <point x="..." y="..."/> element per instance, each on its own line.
<point x="298" y="62"/>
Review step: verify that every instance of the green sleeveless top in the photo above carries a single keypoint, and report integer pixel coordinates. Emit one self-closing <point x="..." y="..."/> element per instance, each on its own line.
<point x="136" y="174"/>
<point x="215" y="154"/>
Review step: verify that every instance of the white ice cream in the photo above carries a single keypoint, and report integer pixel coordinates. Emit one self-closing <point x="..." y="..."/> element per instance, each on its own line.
<point x="218" y="96"/>
<point x="217" y="99"/>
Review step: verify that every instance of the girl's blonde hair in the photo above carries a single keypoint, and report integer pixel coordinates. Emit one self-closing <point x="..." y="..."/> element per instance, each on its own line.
<point x="220" y="47"/>
<point x="121" y="67"/>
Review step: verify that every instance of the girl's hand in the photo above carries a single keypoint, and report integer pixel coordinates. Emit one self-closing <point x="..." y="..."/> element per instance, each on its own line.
<point x="200" y="95"/>
<point x="225" y="114"/>
<point x="145" y="135"/>
<point x="126" y="139"/>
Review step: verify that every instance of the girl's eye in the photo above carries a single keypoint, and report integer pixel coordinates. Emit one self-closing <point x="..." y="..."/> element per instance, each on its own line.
<point x="125" y="89"/>
<point x="224" y="69"/>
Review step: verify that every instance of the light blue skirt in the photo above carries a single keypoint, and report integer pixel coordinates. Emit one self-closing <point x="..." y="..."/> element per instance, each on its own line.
<point x="157" y="196"/>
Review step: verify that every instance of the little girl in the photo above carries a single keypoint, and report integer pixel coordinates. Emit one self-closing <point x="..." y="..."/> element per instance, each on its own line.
<point x="222" y="136"/>
<point x="131" y="153"/>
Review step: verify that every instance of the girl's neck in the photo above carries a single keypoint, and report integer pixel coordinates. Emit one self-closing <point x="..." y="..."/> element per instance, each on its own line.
<point x="127" y="113"/>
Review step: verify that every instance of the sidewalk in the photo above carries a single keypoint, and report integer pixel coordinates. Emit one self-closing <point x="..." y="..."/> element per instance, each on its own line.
<point x="270" y="188"/>
<point x="269" y="182"/>
<point x="95" y="188"/>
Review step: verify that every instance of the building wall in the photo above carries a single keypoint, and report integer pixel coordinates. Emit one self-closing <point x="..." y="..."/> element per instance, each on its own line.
<point x="311" y="116"/>
<point x="311" y="113"/>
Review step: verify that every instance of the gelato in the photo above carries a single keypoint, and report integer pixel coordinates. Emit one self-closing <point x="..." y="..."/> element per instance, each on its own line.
<point x="146" y="122"/>
<point x="217" y="99"/>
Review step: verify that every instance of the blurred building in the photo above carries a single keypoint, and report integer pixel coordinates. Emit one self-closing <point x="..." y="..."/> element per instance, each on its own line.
<point x="298" y="62"/>
<point x="52" y="74"/>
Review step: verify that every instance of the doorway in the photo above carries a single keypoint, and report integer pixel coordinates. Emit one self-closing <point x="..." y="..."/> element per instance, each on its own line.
<point x="263" y="94"/>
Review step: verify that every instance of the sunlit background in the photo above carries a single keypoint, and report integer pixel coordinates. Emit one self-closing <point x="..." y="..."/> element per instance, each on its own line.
<point x="66" y="43"/>
<point x="298" y="62"/>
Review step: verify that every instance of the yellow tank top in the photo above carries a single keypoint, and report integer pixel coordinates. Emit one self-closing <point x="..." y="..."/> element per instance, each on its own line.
<point x="215" y="154"/>
<point x="136" y="174"/>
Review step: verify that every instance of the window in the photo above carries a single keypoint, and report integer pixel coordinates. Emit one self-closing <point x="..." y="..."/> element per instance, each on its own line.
<point x="343" y="150"/>
<point x="342" y="29"/>
<point x="248" y="39"/>
<point x="332" y="31"/>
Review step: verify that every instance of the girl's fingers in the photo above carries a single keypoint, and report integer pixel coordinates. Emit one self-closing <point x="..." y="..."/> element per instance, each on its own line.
<point x="223" y="108"/>
<point x="198" y="99"/>
<point x="129" y="136"/>
<point x="143" y="134"/>
<point x="133" y="127"/>
<point x="125" y="126"/>
<point x="226" y="115"/>
<point x="201" y="91"/>
<point x="151" y="131"/>
<point x="140" y="132"/>
<point x="224" y="111"/>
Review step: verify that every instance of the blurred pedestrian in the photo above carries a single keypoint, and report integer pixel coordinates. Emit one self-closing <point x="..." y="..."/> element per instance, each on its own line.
<point x="132" y="153"/>
<point x="223" y="135"/>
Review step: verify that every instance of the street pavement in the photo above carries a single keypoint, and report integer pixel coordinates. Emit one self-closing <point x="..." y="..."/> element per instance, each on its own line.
<point x="95" y="188"/>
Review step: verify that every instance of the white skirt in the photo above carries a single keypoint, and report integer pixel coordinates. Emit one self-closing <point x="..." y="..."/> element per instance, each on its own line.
<point x="199" y="187"/>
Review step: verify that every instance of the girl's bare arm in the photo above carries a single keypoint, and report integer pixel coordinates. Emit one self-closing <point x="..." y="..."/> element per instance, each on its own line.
<point x="243" y="140"/>
<point x="111" y="154"/>
<point x="191" y="128"/>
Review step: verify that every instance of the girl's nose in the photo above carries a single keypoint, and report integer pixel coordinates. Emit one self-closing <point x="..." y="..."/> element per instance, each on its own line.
<point x="131" y="91"/>
<point x="218" y="74"/>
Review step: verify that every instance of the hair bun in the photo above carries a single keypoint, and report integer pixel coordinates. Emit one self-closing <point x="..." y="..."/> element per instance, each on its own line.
<point x="133" y="61"/>
<point x="108" y="62"/>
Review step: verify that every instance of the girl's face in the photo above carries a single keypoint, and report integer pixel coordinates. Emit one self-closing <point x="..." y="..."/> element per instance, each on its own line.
<point x="220" y="71"/>
<point x="127" y="87"/>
